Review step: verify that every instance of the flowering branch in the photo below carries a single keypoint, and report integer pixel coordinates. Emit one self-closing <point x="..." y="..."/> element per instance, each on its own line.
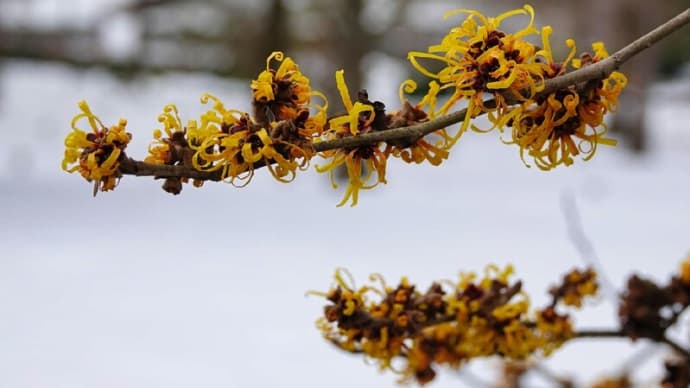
<point x="596" y="71"/>
<point x="552" y="115"/>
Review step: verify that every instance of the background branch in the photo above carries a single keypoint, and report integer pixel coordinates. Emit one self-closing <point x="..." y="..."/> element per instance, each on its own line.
<point x="619" y="334"/>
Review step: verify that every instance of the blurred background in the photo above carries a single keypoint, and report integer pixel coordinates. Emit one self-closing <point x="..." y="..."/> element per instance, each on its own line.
<point x="137" y="288"/>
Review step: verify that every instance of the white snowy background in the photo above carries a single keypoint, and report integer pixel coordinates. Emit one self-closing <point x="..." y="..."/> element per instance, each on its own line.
<point x="137" y="288"/>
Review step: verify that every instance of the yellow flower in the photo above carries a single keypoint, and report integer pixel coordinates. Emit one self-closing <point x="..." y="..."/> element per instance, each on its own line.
<point x="280" y="94"/>
<point x="173" y="148"/>
<point x="421" y="149"/>
<point x="553" y="129"/>
<point x="263" y="86"/>
<point x="162" y="149"/>
<point x="362" y="163"/>
<point x="96" y="153"/>
<point x="314" y="126"/>
<point x="552" y="68"/>
<point x="480" y="59"/>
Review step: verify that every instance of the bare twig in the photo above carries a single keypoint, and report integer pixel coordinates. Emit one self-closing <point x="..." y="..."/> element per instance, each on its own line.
<point x="583" y="244"/>
<point x="619" y="334"/>
<point x="599" y="70"/>
<point x="595" y="333"/>
<point x="548" y="374"/>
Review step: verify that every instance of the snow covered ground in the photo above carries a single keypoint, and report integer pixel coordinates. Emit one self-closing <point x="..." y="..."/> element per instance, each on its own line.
<point x="137" y="288"/>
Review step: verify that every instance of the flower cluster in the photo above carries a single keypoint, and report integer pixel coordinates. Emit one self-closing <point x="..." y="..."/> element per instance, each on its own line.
<point x="226" y="142"/>
<point x="235" y="144"/>
<point x="575" y="287"/>
<point x="366" y="164"/>
<point x="95" y="153"/>
<point x="547" y="126"/>
<point x="473" y="317"/>
<point x="363" y="116"/>
<point x="481" y="59"/>
<point x="173" y="148"/>
<point x="647" y="309"/>
<point x="278" y="136"/>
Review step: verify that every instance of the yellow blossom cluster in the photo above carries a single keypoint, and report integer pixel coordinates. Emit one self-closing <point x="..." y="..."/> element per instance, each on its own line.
<point x="286" y="129"/>
<point x="277" y="136"/>
<point x="479" y="58"/>
<point x="366" y="165"/>
<point x="412" y="332"/>
<point x="223" y="141"/>
<point x="363" y="116"/>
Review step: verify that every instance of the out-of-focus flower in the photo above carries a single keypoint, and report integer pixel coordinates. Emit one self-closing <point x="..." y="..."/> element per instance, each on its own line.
<point x="641" y="306"/>
<point x="96" y="153"/>
<point x="555" y="329"/>
<point x="648" y="308"/>
<point x="575" y="287"/>
<point x="366" y="165"/>
<point x="472" y="319"/>
<point x="162" y="150"/>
